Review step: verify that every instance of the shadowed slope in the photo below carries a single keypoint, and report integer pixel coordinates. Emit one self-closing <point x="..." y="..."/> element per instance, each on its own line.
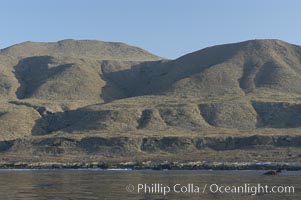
<point x="232" y="69"/>
<point x="242" y="68"/>
<point x="256" y="66"/>
<point x="44" y="77"/>
<point x="8" y="81"/>
<point x="67" y="70"/>
<point x="194" y="92"/>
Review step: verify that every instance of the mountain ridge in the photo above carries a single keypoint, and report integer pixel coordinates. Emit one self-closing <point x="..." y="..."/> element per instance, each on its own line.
<point x="73" y="91"/>
<point x="230" y="69"/>
<point x="78" y="48"/>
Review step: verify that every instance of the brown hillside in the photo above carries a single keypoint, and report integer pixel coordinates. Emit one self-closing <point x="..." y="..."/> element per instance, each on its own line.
<point x="106" y="99"/>
<point x="80" y="49"/>
<point x="232" y="69"/>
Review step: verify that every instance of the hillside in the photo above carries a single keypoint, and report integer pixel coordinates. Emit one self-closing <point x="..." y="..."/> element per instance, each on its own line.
<point x="70" y="98"/>
<point x="66" y="70"/>
<point x="257" y="66"/>
<point x="80" y="49"/>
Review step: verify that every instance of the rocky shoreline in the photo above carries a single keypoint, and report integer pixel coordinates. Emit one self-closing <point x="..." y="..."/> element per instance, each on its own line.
<point x="157" y="165"/>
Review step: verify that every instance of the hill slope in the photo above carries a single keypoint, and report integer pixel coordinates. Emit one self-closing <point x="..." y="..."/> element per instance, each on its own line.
<point x="66" y="70"/>
<point x="88" y="92"/>
<point x="80" y="49"/>
<point x="256" y="66"/>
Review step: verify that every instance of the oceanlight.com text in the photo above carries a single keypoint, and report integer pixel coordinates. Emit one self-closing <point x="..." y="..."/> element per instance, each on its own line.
<point x="250" y="189"/>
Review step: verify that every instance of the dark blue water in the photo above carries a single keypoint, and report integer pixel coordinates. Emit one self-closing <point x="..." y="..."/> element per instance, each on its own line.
<point x="103" y="184"/>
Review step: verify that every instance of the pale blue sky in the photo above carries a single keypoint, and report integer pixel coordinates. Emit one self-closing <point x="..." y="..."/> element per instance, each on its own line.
<point x="169" y="28"/>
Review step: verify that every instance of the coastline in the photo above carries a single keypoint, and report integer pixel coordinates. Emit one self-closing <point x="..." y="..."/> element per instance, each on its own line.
<point x="157" y="165"/>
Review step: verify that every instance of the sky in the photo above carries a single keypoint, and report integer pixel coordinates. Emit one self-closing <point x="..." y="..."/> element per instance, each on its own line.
<point x="168" y="28"/>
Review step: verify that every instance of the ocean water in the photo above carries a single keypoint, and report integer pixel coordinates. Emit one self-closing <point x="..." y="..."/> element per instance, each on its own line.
<point x="125" y="184"/>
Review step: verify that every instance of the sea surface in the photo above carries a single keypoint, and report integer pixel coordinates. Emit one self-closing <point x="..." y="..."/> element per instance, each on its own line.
<point x="127" y="184"/>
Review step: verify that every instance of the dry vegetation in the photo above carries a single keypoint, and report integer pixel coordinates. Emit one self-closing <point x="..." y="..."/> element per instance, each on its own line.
<point x="78" y="90"/>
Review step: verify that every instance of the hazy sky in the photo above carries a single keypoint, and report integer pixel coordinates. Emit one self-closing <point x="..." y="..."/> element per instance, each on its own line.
<point x="169" y="28"/>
